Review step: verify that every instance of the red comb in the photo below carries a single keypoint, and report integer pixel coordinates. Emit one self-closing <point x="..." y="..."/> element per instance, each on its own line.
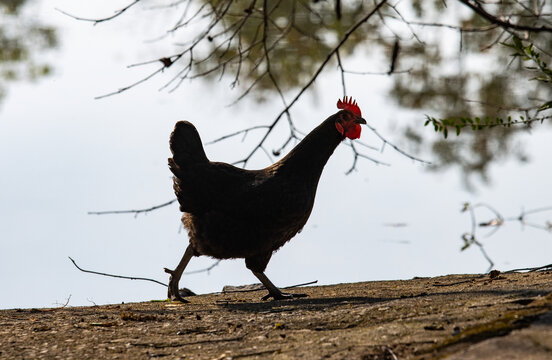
<point x="349" y="104"/>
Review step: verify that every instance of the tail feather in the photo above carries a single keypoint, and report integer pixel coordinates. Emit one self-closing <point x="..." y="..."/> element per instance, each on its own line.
<point x="187" y="150"/>
<point x="186" y="145"/>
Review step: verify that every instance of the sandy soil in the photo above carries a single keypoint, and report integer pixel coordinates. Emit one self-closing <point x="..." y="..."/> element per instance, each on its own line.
<point x="422" y="318"/>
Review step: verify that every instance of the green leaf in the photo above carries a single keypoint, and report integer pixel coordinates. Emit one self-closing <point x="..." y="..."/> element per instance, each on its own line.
<point x="517" y="42"/>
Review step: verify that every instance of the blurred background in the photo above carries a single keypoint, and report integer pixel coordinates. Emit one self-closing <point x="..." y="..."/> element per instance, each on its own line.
<point x="64" y="153"/>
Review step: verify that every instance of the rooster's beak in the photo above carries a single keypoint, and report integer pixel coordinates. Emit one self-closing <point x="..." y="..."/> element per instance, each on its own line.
<point x="360" y="121"/>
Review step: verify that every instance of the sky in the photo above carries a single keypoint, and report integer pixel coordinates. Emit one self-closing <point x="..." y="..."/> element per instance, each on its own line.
<point x="63" y="154"/>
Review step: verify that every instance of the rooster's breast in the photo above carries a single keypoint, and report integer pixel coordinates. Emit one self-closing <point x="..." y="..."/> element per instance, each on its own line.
<point x="261" y="219"/>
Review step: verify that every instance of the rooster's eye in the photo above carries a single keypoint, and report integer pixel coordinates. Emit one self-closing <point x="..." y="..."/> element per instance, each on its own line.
<point x="348" y="117"/>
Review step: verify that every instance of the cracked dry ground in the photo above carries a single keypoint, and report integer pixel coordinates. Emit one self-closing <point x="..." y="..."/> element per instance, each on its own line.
<point x="508" y="316"/>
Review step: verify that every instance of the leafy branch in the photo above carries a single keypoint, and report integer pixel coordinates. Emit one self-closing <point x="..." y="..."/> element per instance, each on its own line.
<point x="528" y="53"/>
<point x="544" y="75"/>
<point x="477" y="123"/>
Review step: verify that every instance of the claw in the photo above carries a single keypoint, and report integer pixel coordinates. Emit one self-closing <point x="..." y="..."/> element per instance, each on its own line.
<point x="173" y="293"/>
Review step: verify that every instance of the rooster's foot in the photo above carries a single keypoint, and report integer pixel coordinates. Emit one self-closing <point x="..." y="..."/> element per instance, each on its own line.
<point x="283" y="296"/>
<point x="273" y="291"/>
<point x="173" y="292"/>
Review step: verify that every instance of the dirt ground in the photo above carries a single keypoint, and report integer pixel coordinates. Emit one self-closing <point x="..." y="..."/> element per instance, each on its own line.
<point x="497" y="316"/>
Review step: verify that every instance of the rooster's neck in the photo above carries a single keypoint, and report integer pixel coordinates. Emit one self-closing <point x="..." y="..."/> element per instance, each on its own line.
<point x="312" y="153"/>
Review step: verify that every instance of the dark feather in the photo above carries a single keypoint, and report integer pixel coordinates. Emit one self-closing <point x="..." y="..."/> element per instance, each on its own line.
<point x="231" y="212"/>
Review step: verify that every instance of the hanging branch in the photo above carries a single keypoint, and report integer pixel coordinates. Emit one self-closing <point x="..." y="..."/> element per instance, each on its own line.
<point x="311" y="81"/>
<point x="265" y="28"/>
<point x="394" y="56"/>
<point x="395" y="147"/>
<point x="506" y="24"/>
<point x="240" y="132"/>
<point x="342" y="73"/>
<point x="357" y="155"/>
<point x="229" y="34"/>
<point x="97" y="21"/>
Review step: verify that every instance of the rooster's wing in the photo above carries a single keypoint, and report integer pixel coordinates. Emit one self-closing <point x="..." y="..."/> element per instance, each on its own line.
<point x="201" y="185"/>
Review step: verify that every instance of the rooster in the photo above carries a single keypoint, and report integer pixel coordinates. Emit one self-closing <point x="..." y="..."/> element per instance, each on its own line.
<point x="230" y="212"/>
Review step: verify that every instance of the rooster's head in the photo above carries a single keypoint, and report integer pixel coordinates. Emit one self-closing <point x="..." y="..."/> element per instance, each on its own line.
<point x="349" y="119"/>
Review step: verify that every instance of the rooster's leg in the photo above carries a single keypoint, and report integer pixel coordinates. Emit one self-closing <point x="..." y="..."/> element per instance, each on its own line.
<point x="173" y="292"/>
<point x="273" y="291"/>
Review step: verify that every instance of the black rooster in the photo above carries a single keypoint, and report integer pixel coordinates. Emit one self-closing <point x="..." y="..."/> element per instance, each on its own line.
<point x="231" y="212"/>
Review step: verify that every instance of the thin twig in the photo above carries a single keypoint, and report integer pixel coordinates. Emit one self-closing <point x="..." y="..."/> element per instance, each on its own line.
<point x="207" y="269"/>
<point x="449" y="26"/>
<point x="407" y="24"/>
<point x="96" y="21"/>
<point x="531" y="269"/>
<point x="136" y="212"/>
<point x="65" y="304"/>
<point x="125" y="88"/>
<point x="244" y="131"/>
<point x="377" y="72"/>
<point x="395" y="147"/>
<point x="115" y="276"/>
<point x="342" y="72"/>
<point x="300" y="285"/>
<point x="261" y="287"/>
<point x="476" y="7"/>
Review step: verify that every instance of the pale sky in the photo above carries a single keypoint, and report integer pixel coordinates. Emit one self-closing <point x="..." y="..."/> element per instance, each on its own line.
<point x="62" y="154"/>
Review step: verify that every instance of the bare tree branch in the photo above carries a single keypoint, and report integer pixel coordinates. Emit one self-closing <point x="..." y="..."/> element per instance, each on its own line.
<point x="395" y="147"/>
<point x="453" y="27"/>
<point x="207" y="270"/>
<point x="115" y="276"/>
<point x="342" y="72"/>
<point x="244" y="132"/>
<point x="125" y="88"/>
<point x="135" y="212"/>
<point x="375" y="72"/>
<point x="357" y="155"/>
<point x="311" y="81"/>
<point x="531" y="269"/>
<point x="97" y="21"/>
<point x="470" y="238"/>
<point x="506" y="24"/>
<point x="407" y="24"/>
<point x="230" y="33"/>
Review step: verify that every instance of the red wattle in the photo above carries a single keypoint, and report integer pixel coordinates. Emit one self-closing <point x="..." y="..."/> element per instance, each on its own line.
<point x="353" y="132"/>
